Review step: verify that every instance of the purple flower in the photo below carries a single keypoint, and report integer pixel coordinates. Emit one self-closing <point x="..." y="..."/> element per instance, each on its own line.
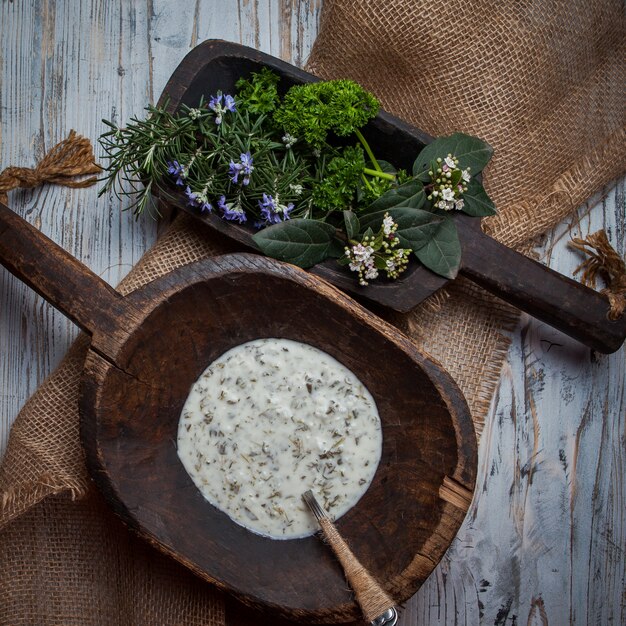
<point x="198" y="200"/>
<point x="235" y="214"/>
<point x="246" y="162"/>
<point x="231" y="212"/>
<point x="215" y="104"/>
<point x="244" y="167"/>
<point x="272" y="212"/>
<point x="176" y="169"/>
<point x="229" y="103"/>
<point x="234" y="171"/>
<point x="192" y="197"/>
<point x="270" y="216"/>
<point x="268" y="210"/>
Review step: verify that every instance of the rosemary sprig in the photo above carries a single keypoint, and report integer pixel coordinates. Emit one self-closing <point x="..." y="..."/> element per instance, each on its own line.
<point x="138" y="154"/>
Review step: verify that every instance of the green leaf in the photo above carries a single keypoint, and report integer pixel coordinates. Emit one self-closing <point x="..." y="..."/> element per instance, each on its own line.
<point x="410" y="194"/>
<point x="336" y="249"/>
<point x="300" y="241"/>
<point x="415" y="227"/>
<point x="387" y="167"/>
<point x="380" y="263"/>
<point x="470" y="151"/>
<point x="313" y="110"/>
<point x="442" y="253"/>
<point x="352" y="224"/>
<point x="423" y="177"/>
<point x="476" y="201"/>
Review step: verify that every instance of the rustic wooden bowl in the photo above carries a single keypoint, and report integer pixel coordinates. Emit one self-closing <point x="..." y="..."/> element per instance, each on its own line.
<point x="149" y="347"/>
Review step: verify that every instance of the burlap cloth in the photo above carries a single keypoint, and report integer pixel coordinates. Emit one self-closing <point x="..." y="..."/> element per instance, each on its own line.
<point x="542" y="82"/>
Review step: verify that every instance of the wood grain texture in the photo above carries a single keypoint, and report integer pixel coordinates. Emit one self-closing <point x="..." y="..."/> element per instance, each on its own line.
<point x="544" y="541"/>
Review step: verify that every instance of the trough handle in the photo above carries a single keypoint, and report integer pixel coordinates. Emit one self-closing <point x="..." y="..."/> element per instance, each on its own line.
<point x="559" y="301"/>
<point x="56" y="275"/>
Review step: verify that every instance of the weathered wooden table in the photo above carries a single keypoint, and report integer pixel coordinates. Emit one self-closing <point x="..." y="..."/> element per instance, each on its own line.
<point x="545" y="537"/>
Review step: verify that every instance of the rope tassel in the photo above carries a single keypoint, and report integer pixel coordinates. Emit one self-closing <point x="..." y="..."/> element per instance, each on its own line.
<point x="69" y="158"/>
<point x="603" y="260"/>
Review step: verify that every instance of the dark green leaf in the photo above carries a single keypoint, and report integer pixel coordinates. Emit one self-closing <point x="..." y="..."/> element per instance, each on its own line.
<point x="387" y="167"/>
<point x="352" y="224"/>
<point x="470" y="151"/>
<point x="411" y="194"/>
<point x="476" y="201"/>
<point x="299" y="241"/>
<point x="442" y="253"/>
<point x="368" y="233"/>
<point x="337" y="248"/>
<point x="415" y="227"/>
<point x="380" y="263"/>
<point x="423" y="176"/>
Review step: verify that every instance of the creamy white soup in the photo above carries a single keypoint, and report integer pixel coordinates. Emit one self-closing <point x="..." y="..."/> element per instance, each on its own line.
<point x="270" y="419"/>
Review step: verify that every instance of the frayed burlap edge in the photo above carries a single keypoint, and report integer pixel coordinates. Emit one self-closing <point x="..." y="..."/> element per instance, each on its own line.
<point x="571" y="189"/>
<point x="11" y="503"/>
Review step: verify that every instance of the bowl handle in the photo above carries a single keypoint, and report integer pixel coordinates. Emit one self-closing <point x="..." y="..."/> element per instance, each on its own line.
<point x="559" y="301"/>
<point x="61" y="279"/>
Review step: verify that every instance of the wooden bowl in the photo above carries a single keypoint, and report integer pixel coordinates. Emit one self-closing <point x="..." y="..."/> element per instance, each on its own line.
<point x="148" y="348"/>
<point x="401" y="527"/>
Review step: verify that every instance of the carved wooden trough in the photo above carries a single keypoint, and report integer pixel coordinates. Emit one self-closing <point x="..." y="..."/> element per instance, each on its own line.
<point x="532" y="287"/>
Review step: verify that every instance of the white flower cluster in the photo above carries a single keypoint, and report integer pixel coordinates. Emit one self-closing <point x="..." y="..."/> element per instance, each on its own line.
<point x="388" y="225"/>
<point x="362" y="261"/>
<point x="448" y="184"/>
<point x="289" y="140"/>
<point x="378" y="253"/>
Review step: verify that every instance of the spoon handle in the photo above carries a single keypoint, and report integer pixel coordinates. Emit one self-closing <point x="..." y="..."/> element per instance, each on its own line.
<point x="375" y="602"/>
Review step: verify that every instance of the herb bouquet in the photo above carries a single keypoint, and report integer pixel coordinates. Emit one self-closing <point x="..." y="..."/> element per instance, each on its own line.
<point x="295" y="167"/>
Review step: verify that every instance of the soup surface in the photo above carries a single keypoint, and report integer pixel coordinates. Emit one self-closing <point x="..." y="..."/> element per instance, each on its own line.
<point x="270" y="419"/>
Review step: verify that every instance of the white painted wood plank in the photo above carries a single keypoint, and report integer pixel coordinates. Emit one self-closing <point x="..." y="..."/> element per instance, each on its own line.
<point x="545" y="537"/>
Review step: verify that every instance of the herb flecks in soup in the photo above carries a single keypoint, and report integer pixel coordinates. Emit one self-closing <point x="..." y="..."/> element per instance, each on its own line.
<point x="270" y="419"/>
